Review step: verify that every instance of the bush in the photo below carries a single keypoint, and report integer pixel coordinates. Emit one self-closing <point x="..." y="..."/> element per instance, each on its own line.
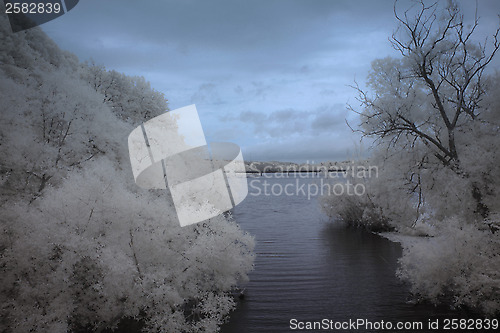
<point x="463" y="262"/>
<point x="360" y="211"/>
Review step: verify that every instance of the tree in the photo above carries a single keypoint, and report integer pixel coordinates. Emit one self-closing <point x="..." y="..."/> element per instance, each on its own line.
<point x="131" y="98"/>
<point x="434" y="113"/>
<point x="81" y="246"/>
<point x="434" y="92"/>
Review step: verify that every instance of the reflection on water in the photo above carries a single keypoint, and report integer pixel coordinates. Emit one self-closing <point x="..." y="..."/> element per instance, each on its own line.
<point x="309" y="269"/>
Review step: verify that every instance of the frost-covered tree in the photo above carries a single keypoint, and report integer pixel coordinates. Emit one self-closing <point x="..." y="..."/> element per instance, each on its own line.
<point x="434" y="115"/>
<point x="81" y="246"/>
<point x="430" y="101"/>
<point x="124" y="94"/>
<point x="90" y="252"/>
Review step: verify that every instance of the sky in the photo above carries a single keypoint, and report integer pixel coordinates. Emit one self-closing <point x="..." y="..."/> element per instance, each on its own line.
<point x="272" y="76"/>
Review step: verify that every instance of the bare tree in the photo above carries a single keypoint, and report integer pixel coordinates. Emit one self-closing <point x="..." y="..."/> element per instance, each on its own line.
<point x="435" y="89"/>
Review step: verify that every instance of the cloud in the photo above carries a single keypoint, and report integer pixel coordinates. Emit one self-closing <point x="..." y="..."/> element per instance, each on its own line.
<point x="326" y="121"/>
<point x="317" y="148"/>
<point x="206" y="93"/>
<point x="291" y="122"/>
<point x="271" y="76"/>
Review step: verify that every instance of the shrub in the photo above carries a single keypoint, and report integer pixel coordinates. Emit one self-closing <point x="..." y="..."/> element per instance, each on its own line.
<point x="463" y="262"/>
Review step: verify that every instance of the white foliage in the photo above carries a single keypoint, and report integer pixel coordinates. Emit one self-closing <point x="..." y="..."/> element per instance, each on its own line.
<point x="435" y="115"/>
<point x="462" y="260"/>
<point x="81" y="246"/>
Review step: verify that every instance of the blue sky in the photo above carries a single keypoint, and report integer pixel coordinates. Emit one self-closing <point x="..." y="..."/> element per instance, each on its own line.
<point x="269" y="75"/>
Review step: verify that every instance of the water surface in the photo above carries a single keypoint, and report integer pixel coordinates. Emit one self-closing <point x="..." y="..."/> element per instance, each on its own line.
<point x="310" y="269"/>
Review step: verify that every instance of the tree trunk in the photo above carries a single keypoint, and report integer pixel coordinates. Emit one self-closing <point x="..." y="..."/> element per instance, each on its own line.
<point x="481" y="208"/>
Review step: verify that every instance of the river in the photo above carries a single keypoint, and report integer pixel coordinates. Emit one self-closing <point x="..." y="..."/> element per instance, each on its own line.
<point x="309" y="269"/>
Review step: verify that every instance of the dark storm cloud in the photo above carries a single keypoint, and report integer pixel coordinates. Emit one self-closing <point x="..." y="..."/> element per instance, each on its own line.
<point x="258" y="35"/>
